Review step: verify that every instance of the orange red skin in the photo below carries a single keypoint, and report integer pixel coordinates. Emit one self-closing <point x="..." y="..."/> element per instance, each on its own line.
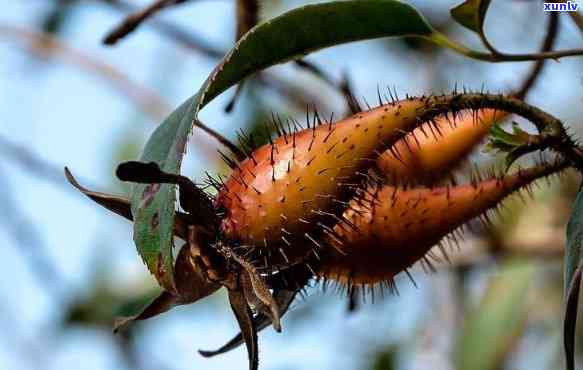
<point x="426" y="155"/>
<point x="397" y="227"/>
<point x="275" y="197"/>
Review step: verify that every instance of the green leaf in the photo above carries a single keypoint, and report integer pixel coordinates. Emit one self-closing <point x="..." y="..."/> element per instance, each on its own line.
<point x="572" y="277"/>
<point x="471" y="14"/>
<point x="574" y="241"/>
<point x="493" y="328"/>
<point x="291" y="35"/>
<point x="514" y="144"/>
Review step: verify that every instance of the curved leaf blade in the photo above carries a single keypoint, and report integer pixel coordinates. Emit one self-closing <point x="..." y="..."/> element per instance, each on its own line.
<point x="572" y="277"/>
<point x="153" y="205"/>
<point x="291" y="35"/>
<point x="310" y="28"/>
<point x="471" y="14"/>
<point x="492" y="329"/>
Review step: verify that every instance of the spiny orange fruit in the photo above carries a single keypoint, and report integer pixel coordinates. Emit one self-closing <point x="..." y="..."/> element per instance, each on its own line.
<point x="394" y="227"/>
<point x="288" y="194"/>
<point x="431" y="151"/>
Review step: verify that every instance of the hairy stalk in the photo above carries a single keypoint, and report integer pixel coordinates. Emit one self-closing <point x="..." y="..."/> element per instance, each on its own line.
<point x="552" y="134"/>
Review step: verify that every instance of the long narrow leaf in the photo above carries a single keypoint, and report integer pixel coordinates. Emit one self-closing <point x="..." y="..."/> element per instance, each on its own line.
<point x="572" y="277"/>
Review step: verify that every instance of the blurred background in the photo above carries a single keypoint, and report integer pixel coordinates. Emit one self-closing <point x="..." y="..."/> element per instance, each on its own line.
<point x="70" y="267"/>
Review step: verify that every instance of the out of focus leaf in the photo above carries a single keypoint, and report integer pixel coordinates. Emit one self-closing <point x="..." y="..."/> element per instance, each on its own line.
<point x="291" y="35"/>
<point x="385" y="360"/>
<point x="572" y="277"/>
<point x="471" y="14"/>
<point x="493" y="328"/>
<point x="103" y="305"/>
<point x="54" y="21"/>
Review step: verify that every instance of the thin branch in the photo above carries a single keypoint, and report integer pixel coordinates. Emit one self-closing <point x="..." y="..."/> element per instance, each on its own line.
<point x="500" y="57"/>
<point x="487" y="43"/>
<point x="173" y="32"/>
<point x="576" y="17"/>
<point x="25" y="235"/>
<point x="31" y="162"/>
<point x="38" y="43"/>
<point x="316" y="71"/>
<point x="231" y="104"/>
<point x="181" y="36"/>
<point x="189" y="41"/>
<point x="552" y="133"/>
<point x="547" y="45"/>
<point x="344" y="86"/>
<point x="298" y="96"/>
<point x="221" y="139"/>
<point x="247" y="16"/>
<point x="132" y="21"/>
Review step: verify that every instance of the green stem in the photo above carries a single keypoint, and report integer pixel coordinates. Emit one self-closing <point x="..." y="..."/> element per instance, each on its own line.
<point x="552" y="132"/>
<point x="444" y="41"/>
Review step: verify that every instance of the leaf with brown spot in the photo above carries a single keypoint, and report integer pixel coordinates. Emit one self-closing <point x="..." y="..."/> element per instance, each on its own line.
<point x="121" y="205"/>
<point x="284" y="298"/>
<point x="164" y="302"/>
<point x="116" y="204"/>
<point x="192" y="199"/>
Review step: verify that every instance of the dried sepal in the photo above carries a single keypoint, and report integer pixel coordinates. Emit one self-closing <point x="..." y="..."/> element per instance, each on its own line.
<point x="191" y="286"/>
<point x="244" y="317"/>
<point x="164" y="302"/>
<point x="262" y="320"/>
<point x="286" y="285"/>
<point x="114" y="203"/>
<point x="257" y="292"/>
<point x="121" y="205"/>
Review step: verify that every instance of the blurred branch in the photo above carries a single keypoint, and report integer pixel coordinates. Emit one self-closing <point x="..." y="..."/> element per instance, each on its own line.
<point x="551" y="248"/>
<point x="234" y="149"/>
<point x="247" y="16"/>
<point x="576" y="17"/>
<point x="25" y="235"/>
<point x="547" y="45"/>
<point x="299" y="97"/>
<point x="343" y="87"/>
<point x="31" y="162"/>
<point x="182" y="37"/>
<point x="39" y="44"/>
<point x="132" y="21"/>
